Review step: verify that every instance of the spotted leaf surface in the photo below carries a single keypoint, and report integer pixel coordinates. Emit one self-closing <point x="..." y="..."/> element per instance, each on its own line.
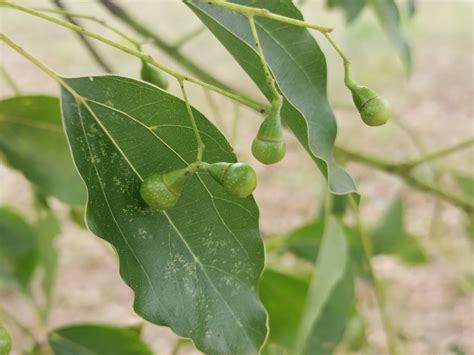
<point x="195" y="267"/>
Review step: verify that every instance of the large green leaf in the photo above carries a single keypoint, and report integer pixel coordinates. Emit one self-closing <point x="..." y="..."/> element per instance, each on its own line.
<point x="18" y="250"/>
<point x="351" y="8"/>
<point x="389" y="17"/>
<point x="194" y="268"/>
<point x="299" y="68"/>
<point x="93" y="339"/>
<point x="390" y="236"/>
<point x="330" y="297"/>
<point x="33" y="141"/>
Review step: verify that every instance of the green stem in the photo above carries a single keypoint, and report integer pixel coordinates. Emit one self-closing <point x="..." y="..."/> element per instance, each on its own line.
<point x="441" y="153"/>
<point x="10" y="81"/>
<point x="200" y="144"/>
<point x="379" y="293"/>
<point x="345" y="59"/>
<point x="147" y="58"/>
<point x="254" y="11"/>
<point x="269" y="78"/>
<point x="95" y="19"/>
<point x="87" y="44"/>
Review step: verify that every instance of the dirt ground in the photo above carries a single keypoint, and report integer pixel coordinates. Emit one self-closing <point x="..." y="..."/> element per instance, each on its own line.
<point x="431" y="305"/>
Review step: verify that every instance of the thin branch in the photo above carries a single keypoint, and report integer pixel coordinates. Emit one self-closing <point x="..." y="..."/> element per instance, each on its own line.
<point x="200" y="144"/>
<point x="145" y="57"/>
<point x="441" y="153"/>
<point x="89" y="46"/>
<point x="255" y="11"/>
<point x="405" y="174"/>
<point x="266" y="70"/>
<point x="136" y="43"/>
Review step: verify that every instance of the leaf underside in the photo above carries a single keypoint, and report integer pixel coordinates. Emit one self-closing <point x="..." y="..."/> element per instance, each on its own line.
<point x="299" y="68"/>
<point x="194" y="268"/>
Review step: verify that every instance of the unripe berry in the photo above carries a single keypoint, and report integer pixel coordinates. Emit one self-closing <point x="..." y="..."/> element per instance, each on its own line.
<point x="238" y="179"/>
<point x="269" y="146"/>
<point x="374" y="110"/>
<point x="153" y="76"/>
<point x="162" y="192"/>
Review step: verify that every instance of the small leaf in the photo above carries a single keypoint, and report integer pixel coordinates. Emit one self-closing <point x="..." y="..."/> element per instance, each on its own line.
<point x="305" y="241"/>
<point x="33" y="141"/>
<point x="389" y="17"/>
<point x="299" y="68"/>
<point x="330" y="297"/>
<point x="47" y="228"/>
<point x="351" y="8"/>
<point x="18" y="250"/>
<point x="194" y="267"/>
<point x="284" y="297"/>
<point x="89" y="339"/>
<point x="390" y="237"/>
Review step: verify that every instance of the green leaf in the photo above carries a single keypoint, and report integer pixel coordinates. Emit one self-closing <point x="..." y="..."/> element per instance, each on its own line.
<point x="389" y="17"/>
<point x="195" y="267"/>
<point x="305" y="241"/>
<point x="47" y="228"/>
<point x="18" y="250"/>
<point x="351" y="8"/>
<point x="299" y="68"/>
<point x="92" y="339"/>
<point x="330" y="297"/>
<point x="284" y="297"/>
<point x="390" y="236"/>
<point x="33" y="142"/>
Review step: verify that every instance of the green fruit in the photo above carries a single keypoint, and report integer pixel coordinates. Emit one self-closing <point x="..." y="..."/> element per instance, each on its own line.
<point x="238" y="179"/>
<point x="162" y="192"/>
<point x="5" y="342"/>
<point x="153" y="76"/>
<point x="269" y="146"/>
<point x="374" y="110"/>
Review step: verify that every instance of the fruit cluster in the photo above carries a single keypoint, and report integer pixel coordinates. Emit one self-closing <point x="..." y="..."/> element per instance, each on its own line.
<point x="162" y="191"/>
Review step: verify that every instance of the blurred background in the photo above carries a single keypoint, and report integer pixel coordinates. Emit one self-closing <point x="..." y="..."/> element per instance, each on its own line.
<point x="432" y="304"/>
